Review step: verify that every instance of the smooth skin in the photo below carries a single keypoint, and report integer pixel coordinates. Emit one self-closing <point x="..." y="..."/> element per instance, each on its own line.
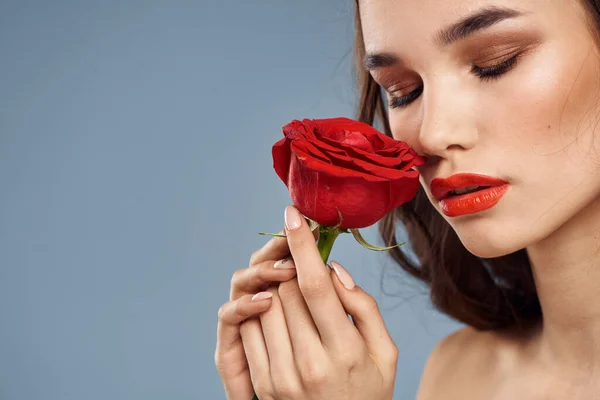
<point x="534" y="125"/>
<point x="520" y="100"/>
<point x="300" y="343"/>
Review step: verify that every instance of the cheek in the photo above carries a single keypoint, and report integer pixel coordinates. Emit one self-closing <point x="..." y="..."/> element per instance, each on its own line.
<point x="553" y="152"/>
<point x="554" y="107"/>
<point x="405" y="126"/>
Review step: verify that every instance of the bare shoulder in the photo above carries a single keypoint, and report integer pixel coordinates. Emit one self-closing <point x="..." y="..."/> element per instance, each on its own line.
<point x="466" y="361"/>
<point x="441" y="368"/>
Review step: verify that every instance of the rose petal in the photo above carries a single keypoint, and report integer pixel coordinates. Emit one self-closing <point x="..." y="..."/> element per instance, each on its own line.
<point x="340" y="165"/>
<point x="281" y="159"/>
<point x="334" y="170"/>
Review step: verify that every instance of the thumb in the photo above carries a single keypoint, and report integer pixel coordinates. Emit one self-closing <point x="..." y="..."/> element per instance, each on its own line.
<point x="366" y="315"/>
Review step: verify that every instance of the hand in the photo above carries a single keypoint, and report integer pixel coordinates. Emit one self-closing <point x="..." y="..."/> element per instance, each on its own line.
<point x="230" y="358"/>
<point x="306" y="347"/>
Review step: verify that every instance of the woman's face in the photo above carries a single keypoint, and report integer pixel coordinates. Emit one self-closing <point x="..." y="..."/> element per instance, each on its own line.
<point x="512" y="94"/>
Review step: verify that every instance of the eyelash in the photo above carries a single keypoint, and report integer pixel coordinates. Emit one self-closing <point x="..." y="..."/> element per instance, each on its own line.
<point x="485" y="74"/>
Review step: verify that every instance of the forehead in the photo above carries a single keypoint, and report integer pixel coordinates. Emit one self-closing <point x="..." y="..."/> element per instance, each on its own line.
<point x="409" y="23"/>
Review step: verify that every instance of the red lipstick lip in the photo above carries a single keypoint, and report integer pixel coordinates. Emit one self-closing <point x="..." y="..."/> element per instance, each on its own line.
<point x="440" y="187"/>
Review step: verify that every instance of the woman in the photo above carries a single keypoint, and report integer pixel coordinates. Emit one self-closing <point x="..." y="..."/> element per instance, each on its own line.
<point x="503" y="88"/>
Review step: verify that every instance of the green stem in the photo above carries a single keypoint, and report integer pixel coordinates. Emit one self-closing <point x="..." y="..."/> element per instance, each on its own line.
<point x="327" y="236"/>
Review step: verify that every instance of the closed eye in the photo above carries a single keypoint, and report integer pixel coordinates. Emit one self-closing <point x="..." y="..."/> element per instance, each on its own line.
<point x="483" y="73"/>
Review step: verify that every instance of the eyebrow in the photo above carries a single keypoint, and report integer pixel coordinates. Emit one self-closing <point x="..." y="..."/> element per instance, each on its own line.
<point x="478" y="21"/>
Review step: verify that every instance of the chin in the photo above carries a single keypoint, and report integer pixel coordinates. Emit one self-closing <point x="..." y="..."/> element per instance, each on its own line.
<point x="490" y="239"/>
<point x="486" y="249"/>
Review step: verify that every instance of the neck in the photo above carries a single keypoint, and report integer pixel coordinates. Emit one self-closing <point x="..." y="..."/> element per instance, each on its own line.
<point x="566" y="270"/>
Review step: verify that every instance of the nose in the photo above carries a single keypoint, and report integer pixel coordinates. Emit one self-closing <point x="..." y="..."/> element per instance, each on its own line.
<point x="448" y="119"/>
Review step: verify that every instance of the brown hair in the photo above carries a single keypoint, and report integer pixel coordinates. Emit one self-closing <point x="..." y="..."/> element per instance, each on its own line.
<point x="493" y="293"/>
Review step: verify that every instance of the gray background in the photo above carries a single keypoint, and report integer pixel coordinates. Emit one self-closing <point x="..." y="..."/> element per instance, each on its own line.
<point x="135" y="173"/>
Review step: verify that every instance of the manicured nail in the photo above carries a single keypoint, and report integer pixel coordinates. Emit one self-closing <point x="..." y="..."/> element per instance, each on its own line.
<point x="286" y="263"/>
<point x="262" y="296"/>
<point x="343" y="275"/>
<point x="292" y="218"/>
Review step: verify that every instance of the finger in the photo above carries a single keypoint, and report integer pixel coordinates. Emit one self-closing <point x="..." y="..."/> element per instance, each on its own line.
<point x="256" y="354"/>
<point x="279" y="345"/>
<point x="232" y="314"/>
<point x="230" y="357"/>
<point x="315" y="283"/>
<point x="275" y="249"/>
<point x="366" y="315"/>
<point x="255" y="348"/>
<point x="306" y="342"/>
<point x="252" y="280"/>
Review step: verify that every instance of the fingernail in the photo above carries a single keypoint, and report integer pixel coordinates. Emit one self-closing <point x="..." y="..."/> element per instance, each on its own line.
<point x="262" y="296"/>
<point x="286" y="263"/>
<point x="343" y="275"/>
<point x="292" y="218"/>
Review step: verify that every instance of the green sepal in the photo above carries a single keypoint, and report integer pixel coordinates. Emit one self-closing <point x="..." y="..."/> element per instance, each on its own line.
<point x="311" y="224"/>
<point x="364" y="243"/>
<point x="271" y="234"/>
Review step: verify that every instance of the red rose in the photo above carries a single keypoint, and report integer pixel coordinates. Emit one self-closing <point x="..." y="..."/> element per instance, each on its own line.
<point x="341" y="164"/>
